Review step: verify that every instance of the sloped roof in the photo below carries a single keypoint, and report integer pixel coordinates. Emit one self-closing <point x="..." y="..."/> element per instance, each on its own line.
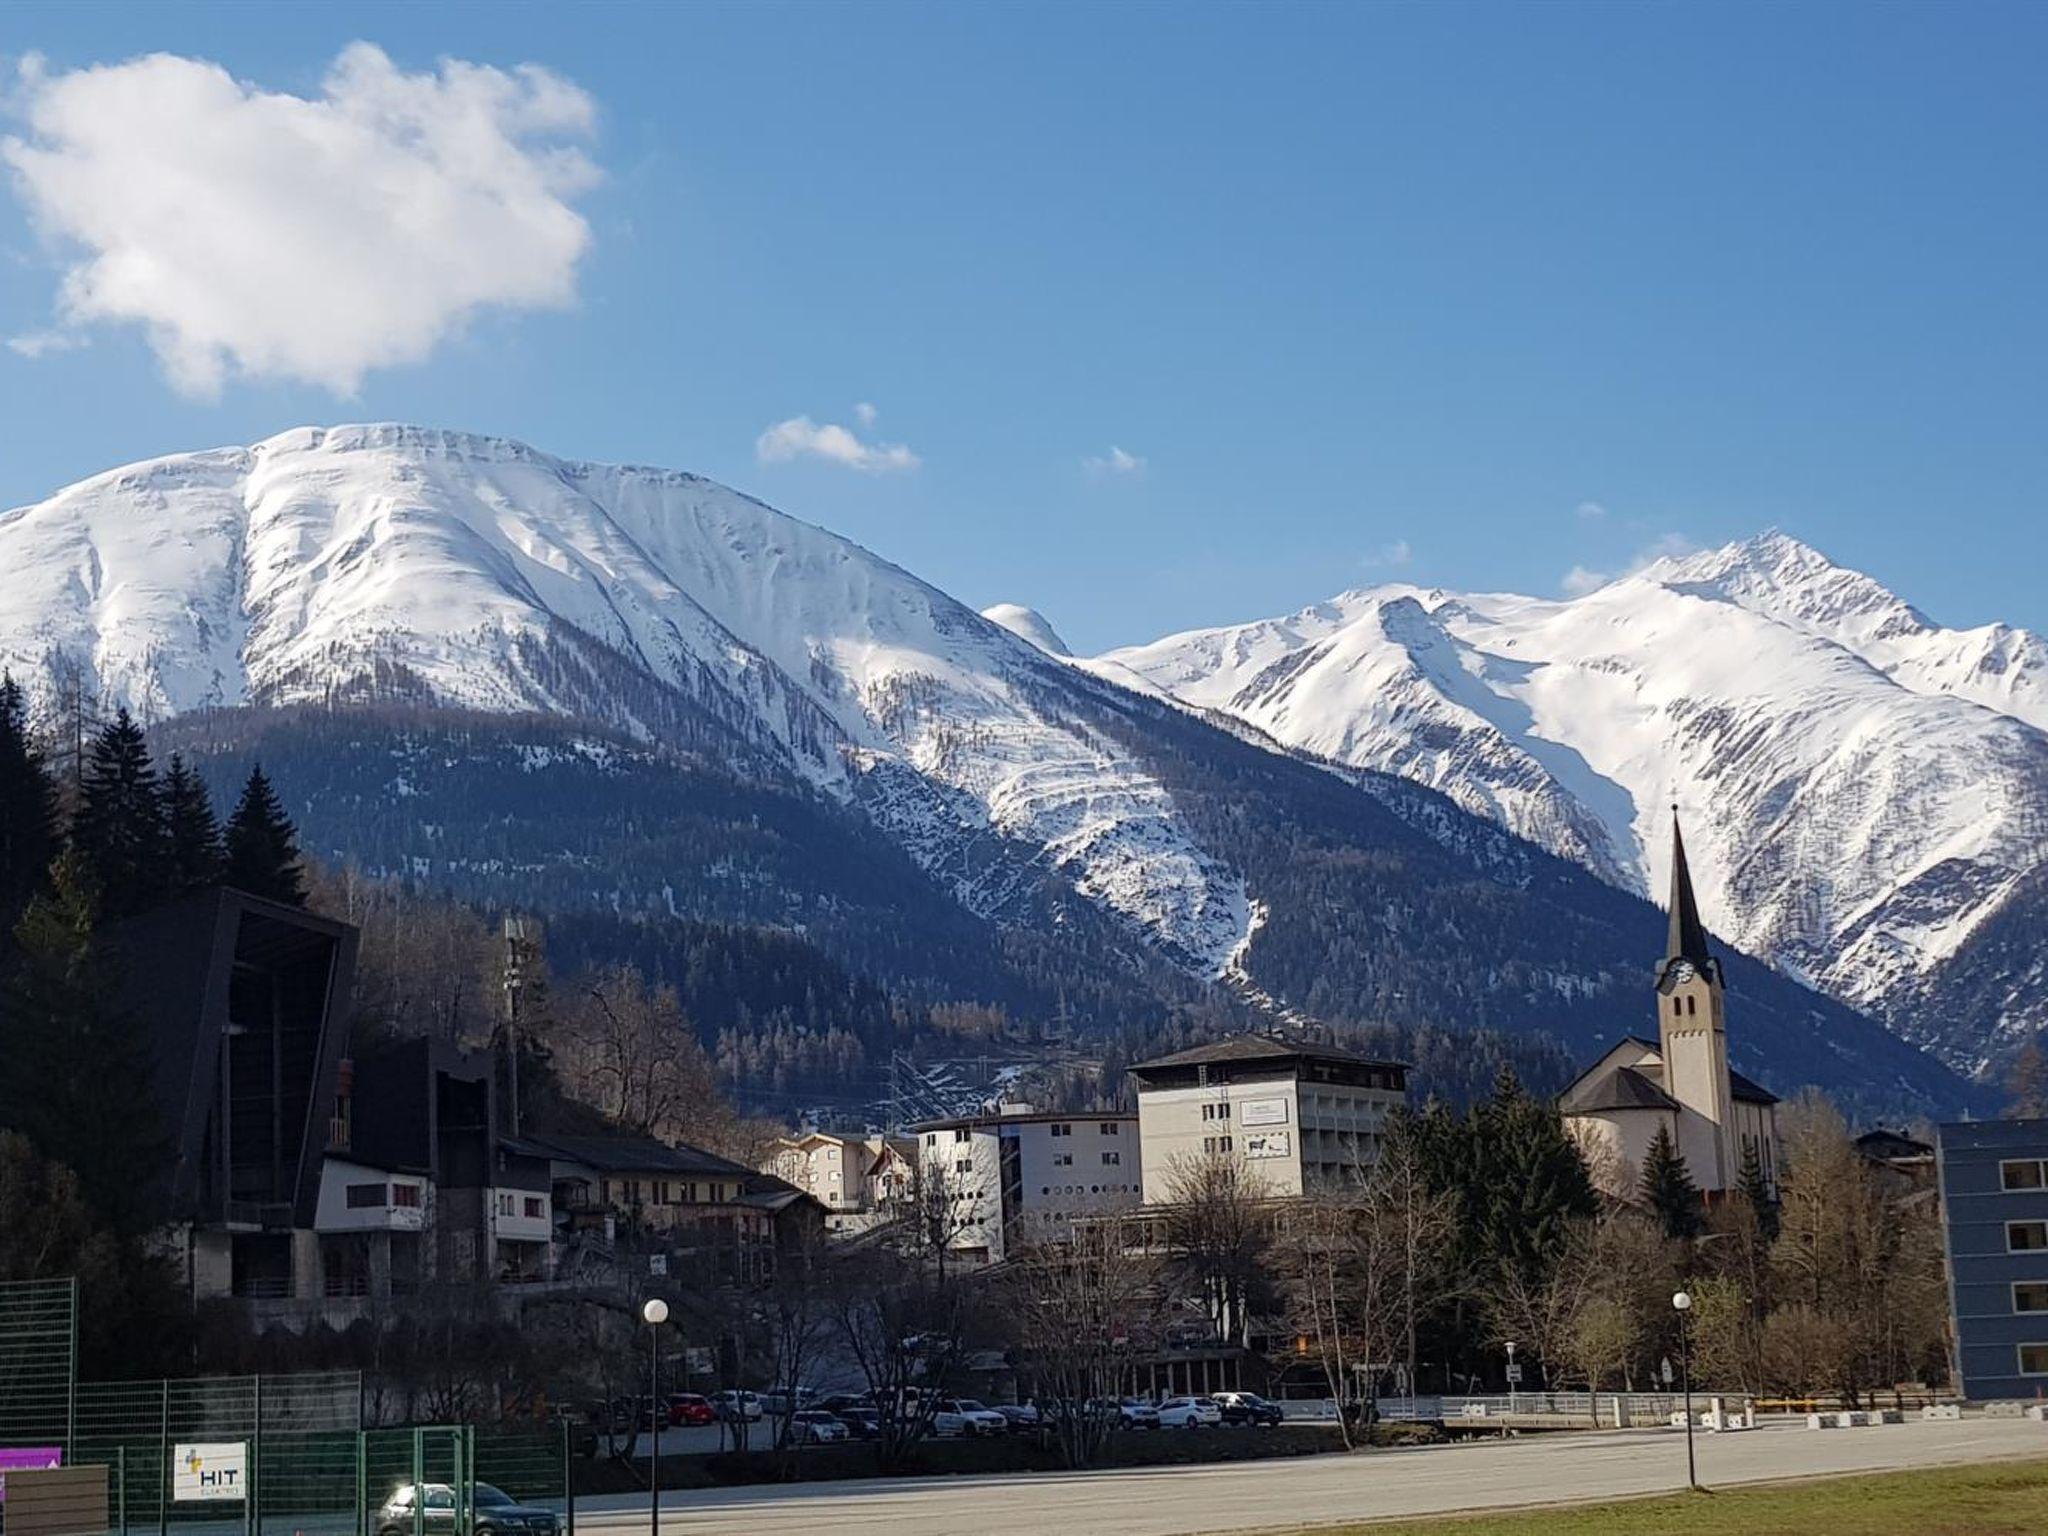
<point x="1249" y="1048"/>
<point x="631" y="1154"/>
<point x="1614" y="1088"/>
<point x="1597" y="1087"/>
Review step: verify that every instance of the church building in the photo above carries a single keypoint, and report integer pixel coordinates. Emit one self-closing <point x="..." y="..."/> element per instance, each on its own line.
<point x="1682" y="1082"/>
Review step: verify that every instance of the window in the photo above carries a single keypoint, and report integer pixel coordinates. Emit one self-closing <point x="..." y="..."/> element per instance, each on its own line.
<point x="2022" y="1173"/>
<point x="963" y="1134"/>
<point x="1677" y="1007"/>
<point x="1692" y="1007"/>
<point x="1215" y="1143"/>
<point x="504" y="1204"/>
<point x="1111" y="1128"/>
<point x="2030" y="1296"/>
<point x="1215" y="1111"/>
<point x="406" y="1196"/>
<point x="963" y="1165"/>
<point x="362" y="1197"/>
<point x="1063" y="1159"/>
<point x="536" y="1208"/>
<point x="2034" y="1359"/>
<point x="1063" y="1130"/>
<point x="1112" y="1159"/>
<point x="2026" y="1236"/>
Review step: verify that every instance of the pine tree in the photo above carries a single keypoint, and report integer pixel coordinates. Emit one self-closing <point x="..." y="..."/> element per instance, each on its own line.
<point x="263" y="846"/>
<point x="28" y="807"/>
<point x="1668" y="1190"/>
<point x="1527" y="1180"/>
<point x="79" y="1079"/>
<point x="119" y="829"/>
<point x="1753" y="1186"/>
<point x="195" y="852"/>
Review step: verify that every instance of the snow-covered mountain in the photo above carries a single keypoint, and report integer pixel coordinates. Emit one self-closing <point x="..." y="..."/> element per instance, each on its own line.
<point x="635" y="692"/>
<point x="389" y="561"/>
<point x="1864" y="792"/>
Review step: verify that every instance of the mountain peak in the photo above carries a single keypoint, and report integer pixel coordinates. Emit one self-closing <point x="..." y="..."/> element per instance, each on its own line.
<point x="1029" y="625"/>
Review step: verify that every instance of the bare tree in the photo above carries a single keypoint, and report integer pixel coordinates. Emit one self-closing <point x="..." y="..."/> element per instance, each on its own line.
<point x="906" y="1325"/>
<point x="628" y="1049"/>
<point x="1082" y="1303"/>
<point x="1219" y="1229"/>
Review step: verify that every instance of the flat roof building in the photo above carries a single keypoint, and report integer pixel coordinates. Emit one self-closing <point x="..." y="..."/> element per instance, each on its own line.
<point x="1303" y="1116"/>
<point x="1993" y="1177"/>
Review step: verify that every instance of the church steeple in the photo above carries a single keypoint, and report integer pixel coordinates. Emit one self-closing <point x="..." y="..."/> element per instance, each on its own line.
<point x="1687" y="938"/>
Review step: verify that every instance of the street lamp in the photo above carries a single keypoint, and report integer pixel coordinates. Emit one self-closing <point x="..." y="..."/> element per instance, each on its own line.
<point x="1681" y="1303"/>
<point x="1514" y="1375"/>
<point x="654" y="1312"/>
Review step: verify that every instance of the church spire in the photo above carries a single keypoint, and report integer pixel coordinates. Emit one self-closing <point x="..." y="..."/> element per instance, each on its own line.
<point x="1688" y="938"/>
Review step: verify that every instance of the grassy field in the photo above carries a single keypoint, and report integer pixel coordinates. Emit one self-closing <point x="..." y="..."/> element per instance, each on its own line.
<point x="1999" y="1499"/>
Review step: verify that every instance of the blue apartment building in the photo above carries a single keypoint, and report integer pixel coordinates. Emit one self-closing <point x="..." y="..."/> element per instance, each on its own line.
<point x="1994" y="1200"/>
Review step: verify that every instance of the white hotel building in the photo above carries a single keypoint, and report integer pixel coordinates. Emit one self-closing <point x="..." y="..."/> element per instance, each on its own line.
<point x="1303" y="1117"/>
<point x="1016" y="1173"/>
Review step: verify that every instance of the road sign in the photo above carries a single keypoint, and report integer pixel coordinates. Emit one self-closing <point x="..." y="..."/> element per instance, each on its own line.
<point x="210" y="1471"/>
<point x="1514" y="1374"/>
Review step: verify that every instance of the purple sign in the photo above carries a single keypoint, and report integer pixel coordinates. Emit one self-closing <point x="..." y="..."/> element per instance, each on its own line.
<point x="32" y="1458"/>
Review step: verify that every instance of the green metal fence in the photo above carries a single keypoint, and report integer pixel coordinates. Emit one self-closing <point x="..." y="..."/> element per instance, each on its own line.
<point x="38" y="1361"/>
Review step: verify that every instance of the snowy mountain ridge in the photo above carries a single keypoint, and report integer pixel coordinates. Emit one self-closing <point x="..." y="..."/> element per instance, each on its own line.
<point x="385" y="561"/>
<point x="1863" y="790"/>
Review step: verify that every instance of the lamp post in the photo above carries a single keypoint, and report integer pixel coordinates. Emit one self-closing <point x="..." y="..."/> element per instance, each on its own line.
<point x="1681" y="1303"/>
<point x="654" y="1312"/>
<point x="1514" y="1376"/>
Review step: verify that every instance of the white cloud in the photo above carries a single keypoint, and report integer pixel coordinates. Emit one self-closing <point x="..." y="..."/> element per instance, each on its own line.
<point x="1591" y="511"/>
<point x="1394" y="552"/>
<point x="1580" y="580"/>
<point x="865" y="414"/>
<point x="1116" y="464"/>
<point x="800" y="437"/>
<point x="263" y="235"/>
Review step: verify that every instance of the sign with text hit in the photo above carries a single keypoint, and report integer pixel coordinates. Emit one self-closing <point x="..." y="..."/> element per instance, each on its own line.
<point x="210" y="1471"/>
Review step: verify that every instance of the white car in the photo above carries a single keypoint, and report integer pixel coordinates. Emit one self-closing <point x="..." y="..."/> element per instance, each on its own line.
<point x="813" y="1426"/>
<point x="1189" y="1413"/>
<point x="965" y="1416"/>
<point x="733" y="1407"/>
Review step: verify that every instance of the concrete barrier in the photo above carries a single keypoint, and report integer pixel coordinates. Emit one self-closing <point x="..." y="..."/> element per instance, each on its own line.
<point x="2038" y="1413"/>
<point x="2005" y="1410"/>
<point x="1882" y="1416"/>
<point x="1942" y="1411"/>
<point x="1821" y="1421"/>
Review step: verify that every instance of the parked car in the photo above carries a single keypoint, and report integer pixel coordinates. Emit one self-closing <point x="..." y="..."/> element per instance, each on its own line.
<point x="814" y="1426"/>
<point x="733" y="1406"/>
<point x="965" y="1416"/>
<point x="1189" y="1413"/>
<point x="496" y="1512"/>
<point x="782" y="1402"/>
<point x="838" y="1402"/>
<point x="690" y="1408"/>
<point x="1020" y="1415"/>
<point x="1248" y="1408"/>
<point x="1136" y="1413"/>
<point x="860" y="1419"/>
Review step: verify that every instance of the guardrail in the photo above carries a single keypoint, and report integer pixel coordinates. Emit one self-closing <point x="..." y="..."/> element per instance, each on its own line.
<point x="1607" y="1408"/>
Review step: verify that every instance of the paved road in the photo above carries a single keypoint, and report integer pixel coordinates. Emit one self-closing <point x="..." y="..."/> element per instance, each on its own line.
<point x="1318" y="1490"/>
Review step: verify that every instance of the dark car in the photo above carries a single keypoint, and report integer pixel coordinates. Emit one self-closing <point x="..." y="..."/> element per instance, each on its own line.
<point x="496" y="1512"/>
<point x="1248" y="1408"/>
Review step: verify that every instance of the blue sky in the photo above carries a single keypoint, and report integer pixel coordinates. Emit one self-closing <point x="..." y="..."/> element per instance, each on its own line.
<point x="1361" y="292"/>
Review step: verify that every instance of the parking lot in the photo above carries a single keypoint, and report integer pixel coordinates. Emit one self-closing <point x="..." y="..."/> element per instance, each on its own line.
<point x="1181" y="1501"/>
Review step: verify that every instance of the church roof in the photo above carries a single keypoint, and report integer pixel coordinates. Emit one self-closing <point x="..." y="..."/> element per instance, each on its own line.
<point x="1602" y="1086"/>
<point x="1614" y="1088"/>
